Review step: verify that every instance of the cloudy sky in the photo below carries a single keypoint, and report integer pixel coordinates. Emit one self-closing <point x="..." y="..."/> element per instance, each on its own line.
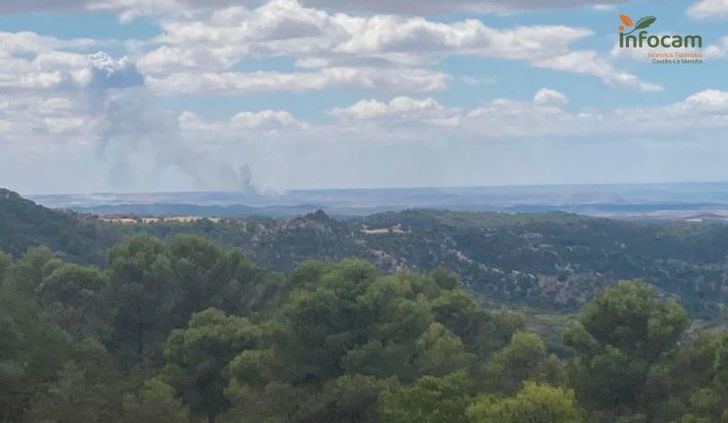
<point x="161" y="95"/>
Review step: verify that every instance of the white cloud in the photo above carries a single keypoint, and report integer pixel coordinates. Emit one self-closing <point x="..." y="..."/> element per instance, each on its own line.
<point x="142" y="143"/>
<point x="546" y="96"/>
<point x="267" y="121"/>
<point x="167" y="59"/>
<point x="42" y="5"/>
<point x="62" y="70"/>
<point x="30" y="42"/>
<point x="399" y="110"/>
<point x="130" y="9"/>
<point x="588" y="62"/>
<point x="212" y="44"/>
<point x="717" y="50"/>
<point x="506" y="118"/>
<point x="29" y="61"/>
<point x="707" y="100"/>
<point x="127" y="9"/>
<point x="233" y="83"/>
<point x="41" y="113"/>
<point x="284" y="27"/>
<point x="48" y="86"/>
<point x="414" y="36"/>
<point x="605" y="7"/>
<point x="406" y="119"/>
<point x="54" y="93"/>
<point x="694" y="118"/>
<point x="415" y="119"/>
<point x="58" y="125"/>
<point x="704" y="9"/>
<point x="544" y="118"/>
<point x="59" y="103"/>
<point x="445" y="7"/>
<point x="471" y="80"/>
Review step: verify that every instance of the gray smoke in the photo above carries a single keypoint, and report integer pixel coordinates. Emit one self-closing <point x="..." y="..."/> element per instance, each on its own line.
<point x="144" y="142"/>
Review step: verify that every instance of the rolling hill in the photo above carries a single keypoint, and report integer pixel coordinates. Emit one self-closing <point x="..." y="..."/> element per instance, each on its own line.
<point x="545" y="260"/>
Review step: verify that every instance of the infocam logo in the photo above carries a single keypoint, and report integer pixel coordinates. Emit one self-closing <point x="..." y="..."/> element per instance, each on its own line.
<point x="643" y="39"/>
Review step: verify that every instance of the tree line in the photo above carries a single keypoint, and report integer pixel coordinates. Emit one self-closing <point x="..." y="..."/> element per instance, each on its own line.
<point x="187" y="331"/>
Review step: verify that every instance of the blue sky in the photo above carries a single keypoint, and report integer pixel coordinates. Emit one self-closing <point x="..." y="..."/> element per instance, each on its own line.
<point x="158" y="95"/>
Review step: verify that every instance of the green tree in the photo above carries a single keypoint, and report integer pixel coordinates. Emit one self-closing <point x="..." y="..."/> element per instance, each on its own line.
<point x="144" y="295"/>
<point x="209" y="276"/>
<point x="442" y="352"/>
<point x="482" y="331"/>
<point x="344" y="323"/>
<point x="28" y="272"/>
<point x="347" y="399"/>
<point x="155" y="402"/>
<point x="695" y="383"/>
<point x="5" y="263"/>
<point x="534" y="403"/>
<point x="197" y="358"/>
<point x="322" y="320"/>
<point x="156" y="287"/>
<point x="32" y="350"/>
<point x="86" y="389"/>
<point x="252" y="388"/>
<point x="620" y="338"/>
<point x="430" y="399"/>
<point x="523" y="359"/>
<point x="353" y="321"/>
<point x="77" y="296"/>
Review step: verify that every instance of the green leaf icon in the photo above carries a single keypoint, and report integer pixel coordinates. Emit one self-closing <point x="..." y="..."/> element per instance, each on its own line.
<point x="643" y="23"/>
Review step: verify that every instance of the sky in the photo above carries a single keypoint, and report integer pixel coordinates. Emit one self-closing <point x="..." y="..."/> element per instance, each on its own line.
<point x="185" y="95"/>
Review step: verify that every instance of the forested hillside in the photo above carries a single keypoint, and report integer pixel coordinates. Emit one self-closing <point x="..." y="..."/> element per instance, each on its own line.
<point x="186" y="331"/>
<point x="552" y="261"/>
<point x="24" y="224"/>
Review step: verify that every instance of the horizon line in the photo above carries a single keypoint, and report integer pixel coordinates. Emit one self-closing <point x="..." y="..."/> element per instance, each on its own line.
<point x="392" y="188"/>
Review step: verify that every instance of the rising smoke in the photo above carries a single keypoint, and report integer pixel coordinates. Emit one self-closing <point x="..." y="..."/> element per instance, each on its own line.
<point x="143" y="143"/>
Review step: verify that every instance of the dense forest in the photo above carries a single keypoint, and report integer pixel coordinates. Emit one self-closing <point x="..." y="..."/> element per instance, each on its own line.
<point x="547" y="261"/>
<point x="188" y="331"/>
<point x="232" y="321"/>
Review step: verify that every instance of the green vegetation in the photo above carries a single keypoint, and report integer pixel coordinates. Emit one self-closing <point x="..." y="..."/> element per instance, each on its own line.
<point x="187" y="331"/>
<point x="24" y="224"/>
<point x="547" y="261"/>
<point x="158" y="322"/>
<point x="533" y="403"/>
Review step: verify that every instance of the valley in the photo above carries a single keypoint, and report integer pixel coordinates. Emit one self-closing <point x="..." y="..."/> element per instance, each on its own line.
<point x="549" y="261"/>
